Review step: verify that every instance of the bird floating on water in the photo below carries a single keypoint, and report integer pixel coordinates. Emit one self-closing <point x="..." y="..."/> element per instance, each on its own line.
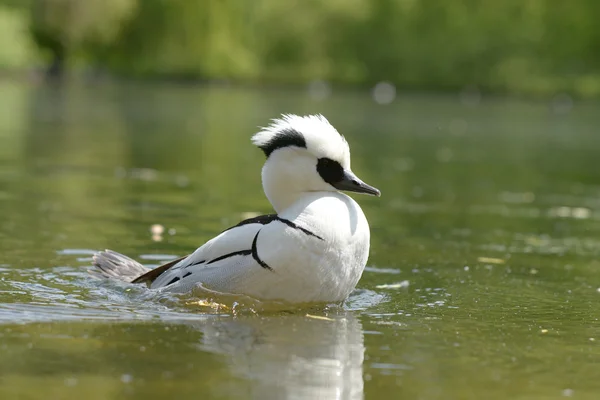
<point x="313" y="249"/>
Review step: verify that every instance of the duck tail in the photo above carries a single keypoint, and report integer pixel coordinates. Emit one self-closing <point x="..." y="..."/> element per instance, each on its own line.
<point x="113" y="265"/>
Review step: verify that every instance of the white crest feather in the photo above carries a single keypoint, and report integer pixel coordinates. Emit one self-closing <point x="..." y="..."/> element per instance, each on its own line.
<point x="321" y="138"/>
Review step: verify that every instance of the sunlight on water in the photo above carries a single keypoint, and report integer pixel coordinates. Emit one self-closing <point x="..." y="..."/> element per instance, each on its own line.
<point x="482" y="280"/>
<point x="69" y="293"/>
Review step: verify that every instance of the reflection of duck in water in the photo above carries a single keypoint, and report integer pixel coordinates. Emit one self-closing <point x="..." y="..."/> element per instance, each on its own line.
<point x="291" y="356"/>
<point x="313" y="250"/>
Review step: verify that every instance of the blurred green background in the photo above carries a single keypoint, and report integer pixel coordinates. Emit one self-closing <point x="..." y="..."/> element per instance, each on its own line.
<point x="523" y="47"/>
<point x="483" y="278"/>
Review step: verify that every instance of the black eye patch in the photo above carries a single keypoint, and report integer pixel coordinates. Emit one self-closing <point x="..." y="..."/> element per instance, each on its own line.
<point x="331" y="171"/>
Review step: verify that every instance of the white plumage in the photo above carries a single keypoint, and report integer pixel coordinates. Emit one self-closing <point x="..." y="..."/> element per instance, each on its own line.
<point x="314" y="249"/>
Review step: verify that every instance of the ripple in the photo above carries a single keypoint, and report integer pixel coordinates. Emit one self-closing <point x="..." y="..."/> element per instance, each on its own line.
<point x="398" y="285"/>
<point x="382" y="270"/>
<point x="76" y="252"/>
<point x="362" y="299"/>
<point x="25" y="313"/>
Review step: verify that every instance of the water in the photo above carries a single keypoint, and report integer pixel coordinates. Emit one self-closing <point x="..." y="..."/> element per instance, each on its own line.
<point x="483" y="278"/>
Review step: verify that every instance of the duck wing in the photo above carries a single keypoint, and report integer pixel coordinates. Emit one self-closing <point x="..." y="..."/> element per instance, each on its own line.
<point x="151" y="275"/>
<point x="230" y="245"/>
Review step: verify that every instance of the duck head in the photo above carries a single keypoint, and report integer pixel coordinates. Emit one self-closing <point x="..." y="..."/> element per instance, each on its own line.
<point x="305" y="154"/>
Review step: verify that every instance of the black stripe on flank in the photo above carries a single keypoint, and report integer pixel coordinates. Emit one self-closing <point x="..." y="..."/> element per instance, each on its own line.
<point x="267" y="219"/>
<point x="173" y="281"/>
<point x="255" y="254"/>
<point x="284" y="138"/>
<point x="196" y="263"/>
<point x="235" y="253"/>
<point x="261" y="219"/>
<point x="293" y="225"/>
<point x="186" y="275"/>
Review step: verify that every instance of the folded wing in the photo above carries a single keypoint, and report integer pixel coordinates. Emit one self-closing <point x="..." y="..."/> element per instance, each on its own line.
<point x="228" y="255"/>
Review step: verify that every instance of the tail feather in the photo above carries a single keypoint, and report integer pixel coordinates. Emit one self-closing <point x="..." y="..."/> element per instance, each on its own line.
<point x="113" y="265"/>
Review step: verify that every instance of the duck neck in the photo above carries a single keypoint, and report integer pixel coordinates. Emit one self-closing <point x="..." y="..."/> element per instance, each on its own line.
<point x="281" y="194"/>
<point x="279" y="185"/>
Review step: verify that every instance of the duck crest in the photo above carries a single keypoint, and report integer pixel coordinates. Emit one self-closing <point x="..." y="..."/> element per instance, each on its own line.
<point x="312" y="132"/>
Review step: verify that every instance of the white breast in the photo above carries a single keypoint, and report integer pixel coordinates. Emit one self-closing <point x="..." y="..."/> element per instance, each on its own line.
<point x="313" y="269"/>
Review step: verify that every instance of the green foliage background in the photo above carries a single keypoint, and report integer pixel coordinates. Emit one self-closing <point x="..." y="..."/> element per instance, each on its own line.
<point x="516" y="46"/>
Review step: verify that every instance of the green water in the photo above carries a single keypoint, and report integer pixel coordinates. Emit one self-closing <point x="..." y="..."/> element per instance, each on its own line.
<point x="483" y="279"/>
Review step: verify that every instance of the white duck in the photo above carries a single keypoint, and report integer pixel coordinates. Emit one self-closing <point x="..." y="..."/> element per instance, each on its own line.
<point x="314" y="249"/>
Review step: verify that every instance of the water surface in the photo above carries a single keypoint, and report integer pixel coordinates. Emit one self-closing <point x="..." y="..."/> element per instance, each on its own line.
<point x="483" y="278"/>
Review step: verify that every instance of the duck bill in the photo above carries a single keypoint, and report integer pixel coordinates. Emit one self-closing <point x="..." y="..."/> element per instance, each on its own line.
<point x="351" y="183"/>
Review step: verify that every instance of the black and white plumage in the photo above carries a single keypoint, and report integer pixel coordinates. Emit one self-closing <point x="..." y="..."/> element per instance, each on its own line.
<point x="314" y="249"/>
